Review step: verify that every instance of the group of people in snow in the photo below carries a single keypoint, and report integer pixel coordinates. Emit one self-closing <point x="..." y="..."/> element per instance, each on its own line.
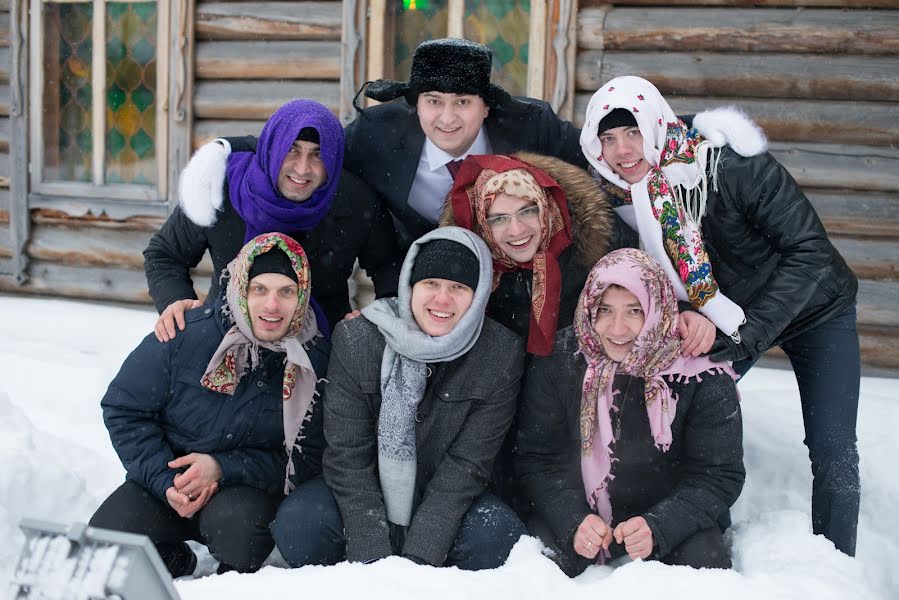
<point x="525" y="369"/>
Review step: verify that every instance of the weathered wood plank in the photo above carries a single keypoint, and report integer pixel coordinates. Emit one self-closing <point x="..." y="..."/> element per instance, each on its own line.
<point x="268" y="20"/>
<point x="5" y="64"/>
<point x="743" y="3"/>
<point x="877" y="305"/>
<point x="825" y="121"/>
<point x="88" y="246"/>
<point x="4" y="99"/>
<point x="4" y="205"/>
<point x="258" y="99"/>
<point x="99" y="283"/>
<point x="740" y="30"/>
<point x="872" y="259"/>
<point x="4" y="165"/>
<point x="852" y="213"/>
<point x="4" y="29"/>
<point x="840" y="166"/>
<point x="206" y="131"/>
<point x="4" y="5"/>
<point x="879" y="346"/>
<point x="4" y="134"/>
<point x="275" y="60"/>
<point x="797" y="76"/>
<point x="5" y="241"/>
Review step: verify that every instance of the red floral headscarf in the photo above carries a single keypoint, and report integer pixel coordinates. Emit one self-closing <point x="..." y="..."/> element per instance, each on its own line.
<point x="479" y="180"/>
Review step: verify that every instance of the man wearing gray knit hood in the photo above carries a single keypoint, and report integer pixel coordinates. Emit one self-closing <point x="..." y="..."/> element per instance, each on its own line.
<point x="422" y="390"/>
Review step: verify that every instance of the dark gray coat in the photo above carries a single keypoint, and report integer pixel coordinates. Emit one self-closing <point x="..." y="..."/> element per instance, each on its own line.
<point x="678" y="492"/>
<point x="461" y="422"/>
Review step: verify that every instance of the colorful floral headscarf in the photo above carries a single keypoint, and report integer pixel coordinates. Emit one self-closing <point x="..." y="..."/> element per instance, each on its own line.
<point x="479" y="180"/>
<point x="655" y="354"/>
<point x="668" y="204"/>
<point x="238" y="352"/>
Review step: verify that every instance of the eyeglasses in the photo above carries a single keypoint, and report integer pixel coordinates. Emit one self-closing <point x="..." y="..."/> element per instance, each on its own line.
<point x="529" y="215"/>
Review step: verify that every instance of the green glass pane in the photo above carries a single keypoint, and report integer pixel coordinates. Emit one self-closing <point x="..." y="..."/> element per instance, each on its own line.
<point x="67" y="100"/>
<point x="504" y="25"/>
<point x="141" y="143"/>
<point x="131" y="92"/>
<point x="142" y="98"/>
<point x="414" y="22"/>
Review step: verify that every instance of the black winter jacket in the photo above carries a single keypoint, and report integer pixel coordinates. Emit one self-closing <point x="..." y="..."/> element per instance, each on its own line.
<point x="460" y="424"/>
<point x="156" y="410"/>
<point x="678" y="492"/>
<point x="357" y="226"/>
<point x="770" y="253"/>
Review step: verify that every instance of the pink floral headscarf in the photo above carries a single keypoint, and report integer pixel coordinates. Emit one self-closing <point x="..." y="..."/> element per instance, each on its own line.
<point x="655" y="354"/>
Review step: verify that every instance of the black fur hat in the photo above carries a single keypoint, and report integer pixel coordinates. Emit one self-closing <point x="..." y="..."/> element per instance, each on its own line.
<point x="449" y="65"/>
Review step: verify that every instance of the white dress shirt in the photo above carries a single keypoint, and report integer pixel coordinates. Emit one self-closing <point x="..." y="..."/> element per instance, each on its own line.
<point x="433" y="181"/>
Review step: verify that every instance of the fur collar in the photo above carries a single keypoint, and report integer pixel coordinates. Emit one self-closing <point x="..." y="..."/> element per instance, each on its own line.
<point x="732" y="127"/>
<point x="591" y="214"/>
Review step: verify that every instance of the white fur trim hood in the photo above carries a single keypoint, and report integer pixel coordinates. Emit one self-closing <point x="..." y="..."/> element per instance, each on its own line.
<point x="731" y="126"/>
<point x="201" y="182"/>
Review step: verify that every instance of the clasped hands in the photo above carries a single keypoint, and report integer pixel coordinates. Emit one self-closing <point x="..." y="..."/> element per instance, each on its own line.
<point x="593" y="534"/>
<point x="194" y="487"/>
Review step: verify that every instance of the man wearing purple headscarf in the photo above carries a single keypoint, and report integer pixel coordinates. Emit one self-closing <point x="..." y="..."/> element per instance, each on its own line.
<point x="295" y="184"/>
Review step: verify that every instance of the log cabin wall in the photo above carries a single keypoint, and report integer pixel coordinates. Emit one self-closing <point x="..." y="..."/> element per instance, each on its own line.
<point x="819" y="76"/>
<point x="249" y="59"/>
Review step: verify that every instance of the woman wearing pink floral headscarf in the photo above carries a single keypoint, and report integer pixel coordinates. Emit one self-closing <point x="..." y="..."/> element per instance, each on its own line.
<point x="625" y="446"/>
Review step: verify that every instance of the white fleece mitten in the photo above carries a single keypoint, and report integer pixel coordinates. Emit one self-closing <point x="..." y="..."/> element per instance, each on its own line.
<point x="730" y="125"/>
<point x="201" y="182"/>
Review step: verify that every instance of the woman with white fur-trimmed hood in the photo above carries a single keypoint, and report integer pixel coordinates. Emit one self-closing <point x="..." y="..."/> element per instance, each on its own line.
<point x="741" y="242"/>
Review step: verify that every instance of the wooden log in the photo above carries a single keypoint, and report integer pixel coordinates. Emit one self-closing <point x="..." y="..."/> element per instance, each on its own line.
<point x="206" y="131"/>
<point x="857" y="214"/>
<point x="879" y="346"/>
<point x="5" y="242"/>
<point x="863" y="4"/>
<point x="4" y="166"/>
<point x="797" y="76"/>
<point x="4" y="134"/>
<point x="825" y="121"/>
<point x="258" y="99"/>
<point x="4" y="99"/>
<point x="91" y="283"/>
<point x="877" y="306"/>
<point x="4" y="205"/>
<point x="268" y="21"/>
<point x="96" y="283"/>
<point x="5" y="64"/>
<point x="840" y="166"/>
<point x="88" y="247"/>
<point x="872" y="259"/>
<point x="274" y="60"/>
<point x="740" y="30"/>
<point x="4" y="29"/>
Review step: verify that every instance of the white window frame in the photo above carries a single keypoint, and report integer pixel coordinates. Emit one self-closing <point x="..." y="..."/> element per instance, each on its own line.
<point x="98" y="188"/>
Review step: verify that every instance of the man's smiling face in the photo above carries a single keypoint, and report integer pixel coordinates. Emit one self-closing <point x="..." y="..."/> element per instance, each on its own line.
<point x="451" y="121"/>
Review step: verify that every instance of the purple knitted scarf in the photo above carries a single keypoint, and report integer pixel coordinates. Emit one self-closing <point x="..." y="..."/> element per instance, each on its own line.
<point x="253" y="177"/>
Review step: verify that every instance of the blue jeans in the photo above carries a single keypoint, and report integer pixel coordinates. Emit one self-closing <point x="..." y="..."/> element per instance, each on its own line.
<point x="826" y="362"/>
<point x="308" y="530"/>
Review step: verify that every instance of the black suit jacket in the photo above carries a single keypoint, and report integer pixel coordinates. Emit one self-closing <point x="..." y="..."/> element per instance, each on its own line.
<point x="384" y="144"/>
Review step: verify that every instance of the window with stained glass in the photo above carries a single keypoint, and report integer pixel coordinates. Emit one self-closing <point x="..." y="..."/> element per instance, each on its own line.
<point x="99" y="92"/>
<point x="503" y="25"/>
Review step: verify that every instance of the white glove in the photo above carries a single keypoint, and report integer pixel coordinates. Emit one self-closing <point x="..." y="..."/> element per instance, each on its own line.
<point x="201" y="182"/>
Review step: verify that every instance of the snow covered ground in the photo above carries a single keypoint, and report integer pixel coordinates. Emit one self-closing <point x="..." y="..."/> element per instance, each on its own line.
<point x="57" y="357"/>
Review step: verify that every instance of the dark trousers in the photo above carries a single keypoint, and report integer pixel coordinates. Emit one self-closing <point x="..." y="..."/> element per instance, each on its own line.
<point x="826" y="362"/>
<point x="308" y="530"/>
<point x="234" y="524"/>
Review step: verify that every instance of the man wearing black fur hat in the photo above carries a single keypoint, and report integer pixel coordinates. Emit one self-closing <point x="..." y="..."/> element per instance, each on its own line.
<point x="406" y="150"/>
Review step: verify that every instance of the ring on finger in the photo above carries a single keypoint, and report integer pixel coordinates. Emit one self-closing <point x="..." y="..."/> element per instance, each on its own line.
<point x="589" y="543"/>
<point x="191" y="497"/>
